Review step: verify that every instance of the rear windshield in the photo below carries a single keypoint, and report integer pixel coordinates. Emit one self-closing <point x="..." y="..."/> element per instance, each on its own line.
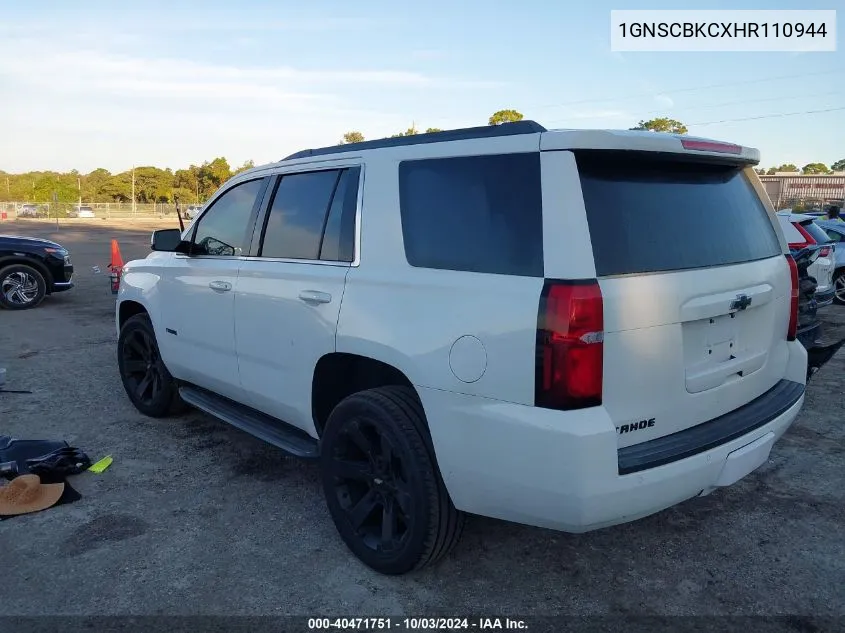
<point x="658" y="214"/>
<point x="816" y="231"/>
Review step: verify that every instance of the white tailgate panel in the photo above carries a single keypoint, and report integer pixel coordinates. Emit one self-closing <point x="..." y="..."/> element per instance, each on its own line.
<point x="674" y="353"/>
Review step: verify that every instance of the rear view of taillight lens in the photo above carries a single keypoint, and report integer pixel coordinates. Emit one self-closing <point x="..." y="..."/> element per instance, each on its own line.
<point x="570" y="345"/>
<point x="793" y="303"/>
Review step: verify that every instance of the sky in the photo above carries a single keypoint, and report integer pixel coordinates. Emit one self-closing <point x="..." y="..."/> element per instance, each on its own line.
<point x="91" y="84"/>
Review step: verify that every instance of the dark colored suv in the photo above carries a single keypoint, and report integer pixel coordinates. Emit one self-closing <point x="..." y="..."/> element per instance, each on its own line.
<point x="30" y="269"/>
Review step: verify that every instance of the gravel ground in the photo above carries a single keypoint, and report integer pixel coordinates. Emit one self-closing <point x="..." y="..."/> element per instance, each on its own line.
<point x="196" y="517"/>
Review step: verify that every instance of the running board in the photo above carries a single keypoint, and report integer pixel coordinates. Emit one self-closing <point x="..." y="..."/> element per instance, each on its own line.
<point x="280" y="434"/>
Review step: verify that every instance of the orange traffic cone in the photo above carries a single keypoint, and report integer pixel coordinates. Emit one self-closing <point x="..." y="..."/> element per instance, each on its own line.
<point x="116" y="267"/>
<point x="116" y="257"/>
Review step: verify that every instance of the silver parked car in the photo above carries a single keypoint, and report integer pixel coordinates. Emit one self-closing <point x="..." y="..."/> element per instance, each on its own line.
<point x="836" y="232"/>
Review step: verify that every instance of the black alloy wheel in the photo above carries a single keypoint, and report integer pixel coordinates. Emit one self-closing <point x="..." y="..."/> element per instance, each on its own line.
<point x="372" y="486"/>
<point x="839" y="287"/>
<point x="381" y="482"/>
<point x="145" y="378"/>
<point x="21" y="287"/>
<point x="141" y="367"/>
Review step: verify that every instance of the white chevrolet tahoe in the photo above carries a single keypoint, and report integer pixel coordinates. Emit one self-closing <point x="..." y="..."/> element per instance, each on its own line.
<point x="547" y="327"/>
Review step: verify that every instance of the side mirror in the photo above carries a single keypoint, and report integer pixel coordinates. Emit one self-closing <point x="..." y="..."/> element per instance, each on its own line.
<point x="168" y="241"/>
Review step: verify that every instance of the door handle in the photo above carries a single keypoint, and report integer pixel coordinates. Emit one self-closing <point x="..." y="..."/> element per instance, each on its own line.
<point x="315" y="296"/>
<point x="220" y="286"/>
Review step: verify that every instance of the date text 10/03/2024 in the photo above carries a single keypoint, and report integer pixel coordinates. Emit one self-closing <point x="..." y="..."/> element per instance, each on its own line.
<point x="416" y="624"/>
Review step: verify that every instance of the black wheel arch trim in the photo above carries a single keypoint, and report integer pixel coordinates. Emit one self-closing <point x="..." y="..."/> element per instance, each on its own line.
<point x="32" y="262"/>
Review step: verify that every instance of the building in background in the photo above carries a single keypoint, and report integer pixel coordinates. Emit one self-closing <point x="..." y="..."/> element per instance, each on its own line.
<point x="789" y="190"/>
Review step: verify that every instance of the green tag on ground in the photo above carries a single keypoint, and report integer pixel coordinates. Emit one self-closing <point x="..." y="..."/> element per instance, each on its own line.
<point x="101" y="465"/>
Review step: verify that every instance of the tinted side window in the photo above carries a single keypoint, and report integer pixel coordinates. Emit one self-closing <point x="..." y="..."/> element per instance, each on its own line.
<point x="339" y="236"/>
<point x="294" y="227"/>
<point x="477" y="213"/>
<point x="222" y="230"/>
<point x="833" y="235"/>
<point x="649" y="214"/>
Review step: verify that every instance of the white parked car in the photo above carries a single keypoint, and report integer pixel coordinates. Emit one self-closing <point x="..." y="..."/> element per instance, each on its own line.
<point x="547" y="327"/>
<point x="801" y="230"/>
<point x="192" y="211"/>
<point x="82" y="212"/>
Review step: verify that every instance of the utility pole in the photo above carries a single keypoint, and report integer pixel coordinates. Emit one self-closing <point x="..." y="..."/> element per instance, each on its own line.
<point x="133" y="191"/>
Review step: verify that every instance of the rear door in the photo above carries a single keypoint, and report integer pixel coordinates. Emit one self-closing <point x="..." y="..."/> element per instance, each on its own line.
<point x="695" y="285"/>
<point x="289" y="290"/>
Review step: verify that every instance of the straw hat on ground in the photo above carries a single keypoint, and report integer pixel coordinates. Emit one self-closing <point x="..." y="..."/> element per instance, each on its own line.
<point x="27" y="494"/>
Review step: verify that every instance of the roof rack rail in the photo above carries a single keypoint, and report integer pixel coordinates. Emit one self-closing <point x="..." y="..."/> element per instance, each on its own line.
<point x="484" y="131"/>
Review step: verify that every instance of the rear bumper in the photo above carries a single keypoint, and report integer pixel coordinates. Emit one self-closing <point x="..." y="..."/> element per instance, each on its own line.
<point x="562" y="471"/>
<point x="713" y="433"/>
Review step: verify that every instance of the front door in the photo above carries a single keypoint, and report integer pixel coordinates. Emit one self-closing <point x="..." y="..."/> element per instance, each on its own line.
<point x="198" y="307"/>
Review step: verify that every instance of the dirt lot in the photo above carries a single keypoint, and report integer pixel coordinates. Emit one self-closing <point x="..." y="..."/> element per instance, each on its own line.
<point x="195" y="517"/>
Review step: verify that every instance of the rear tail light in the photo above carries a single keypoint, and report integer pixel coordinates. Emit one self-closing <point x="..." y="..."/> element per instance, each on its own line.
<point x="570" y="345"/>
<point x="825" y="251"/>
<point x="793" y="302"/>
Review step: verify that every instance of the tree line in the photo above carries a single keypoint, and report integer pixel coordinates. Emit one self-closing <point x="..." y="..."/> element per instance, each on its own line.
<point x="809" y="168"/>
<point x="676" y="127"/>
<point x="497" y="118"/>
<point x="196" y="183"/>
<point x="660" y="124"/>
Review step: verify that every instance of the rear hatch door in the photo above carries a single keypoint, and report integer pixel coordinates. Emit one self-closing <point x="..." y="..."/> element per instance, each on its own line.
<point x="695" y="286"/>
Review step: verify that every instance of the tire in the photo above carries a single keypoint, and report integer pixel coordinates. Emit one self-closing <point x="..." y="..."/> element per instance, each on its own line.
<point x="364" y="490"/>
<point x="21" y="287"/>
<point x="839" y="287"/>
<point x="149" y="385"/>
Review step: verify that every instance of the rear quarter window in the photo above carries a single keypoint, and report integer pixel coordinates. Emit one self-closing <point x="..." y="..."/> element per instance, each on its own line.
<point x="474" y="213"/>
<point x="654" y="214"/>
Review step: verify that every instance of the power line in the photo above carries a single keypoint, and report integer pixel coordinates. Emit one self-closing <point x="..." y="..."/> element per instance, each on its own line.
<point x="688" y="89"/>
<point x="732" y="103"/>
<point x="770" y="116"/>
<point x="723" y="104"/>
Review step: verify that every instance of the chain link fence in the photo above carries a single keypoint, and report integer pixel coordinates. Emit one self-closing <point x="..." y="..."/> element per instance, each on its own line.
<point x="103" y="210"/>
<point x="804" y="192"/>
